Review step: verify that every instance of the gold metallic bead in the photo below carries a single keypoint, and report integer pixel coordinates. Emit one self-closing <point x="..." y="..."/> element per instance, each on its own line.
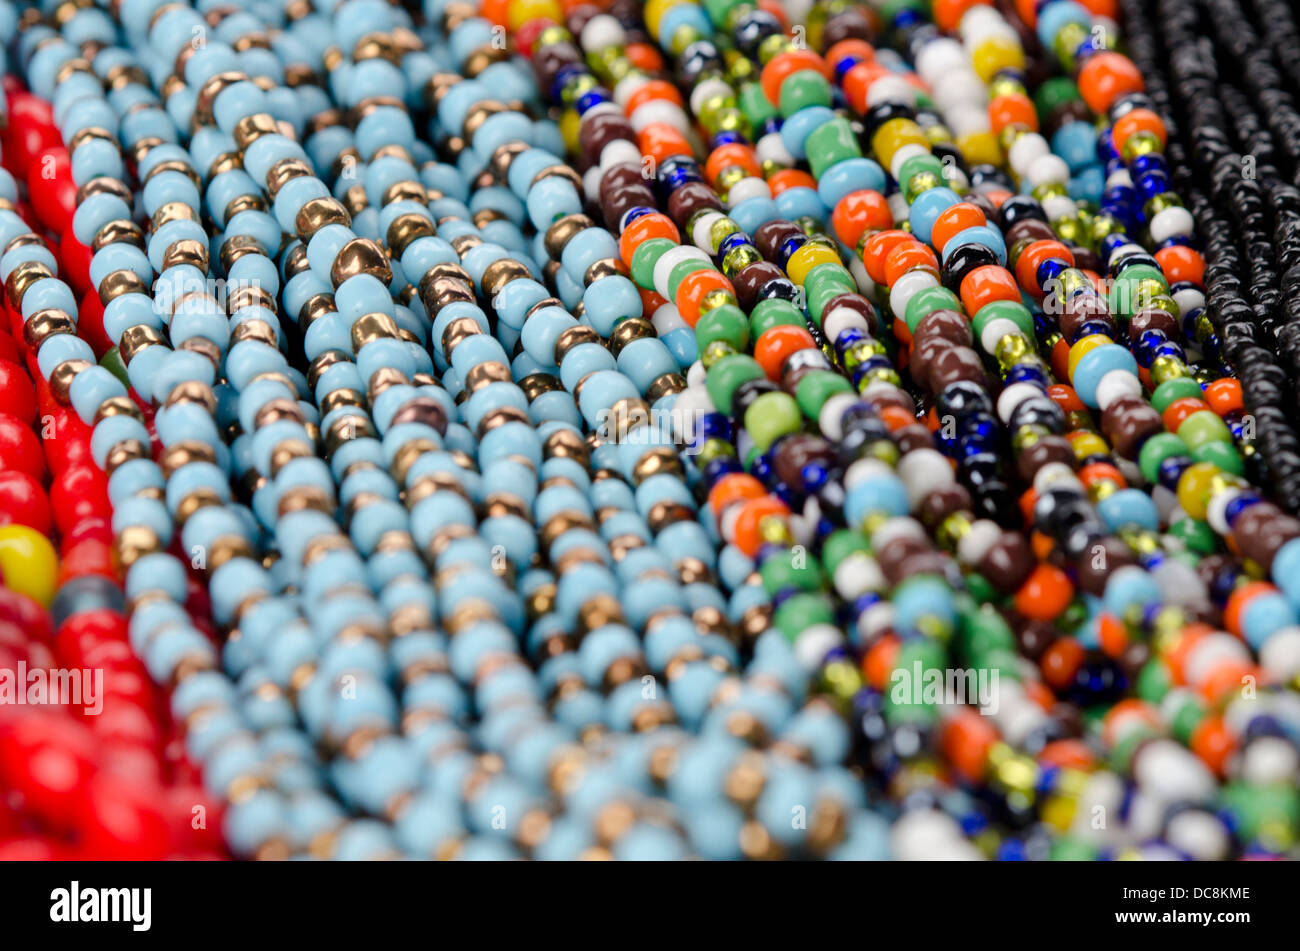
<point x="24" y="276"/>
<point x="284" y="171"/>
<point x="249" y="295"/>
<point x="314" y="308"/>
<point x="500" y="273"/>
<point x="46" y="323"/>
<point x="118" y="406"/>
<point x="251" y="128"/>
<point x="628" y="330"/>
<point x="186" y="251"/>
<point x="480" y="375"/>
<point x="234" y="248"/>
<point x="318" y="213"/>
<point x="657" y="461"/>
<point x="361" y="256"/>
<point x="62" y="376"/>
<point x="172" y="211"/>
<point x="664" y="385"/>
<point x="559" y="233"/>
<point x="133" y="543"/>
<point x="456" y="331"/>
<point x="122" y="230"/>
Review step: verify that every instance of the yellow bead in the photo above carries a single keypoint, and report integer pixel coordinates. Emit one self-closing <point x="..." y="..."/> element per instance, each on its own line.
<point x="895" y="134"/>
<point x="570" y="127"/>
<point x="1084" y="347"/>
<point x="997" y="53"/>
<point x="654" y="11"/>
<point x="28" y="563"/>
<point x="980" y="148"/>
<point x="1194" y="488"/>
<point x="1087" y="444"/>
<point x="520" y="12"/>
<point x="808" y="257"/>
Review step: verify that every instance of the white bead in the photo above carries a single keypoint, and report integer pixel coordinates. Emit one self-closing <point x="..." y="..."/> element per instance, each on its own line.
<point x="891" y="89"/>
<point x="866" y="286"/>
<point x="841" y="319"/>
<point x="1101" y="797"/>
<point x="670" y="259"/>
<point x="875" y="620"/>
<point x="1170" y="772"/>
<point x="1021" y="718"/>
<point x="619" y="152"/>
<point x="692" y="403"/>
<point x="1013" y="396"/>
<point x="1199" y="834"/>
<point x="897" y="529"/>
<point x="856" y="575"/>
<point x="1189" y="298"/>
<point x="975" y="544"/>
<point x="709" y="89"/>
<point x="902" y="155"/>
<point x="924" y="471"/>
<point x="627" y="86"/>
<point x="1055" y="475"/>
<point x="771" y="148"/>
<point x="1025" y="151"/>
<point x="1179" y="583"/>
<point x="1216" y="513"/>
<point x="746" y="188"/>
<point x="928" y="835"/>
<point x="814" y="643"/>
<point x="995" y="330"/>
<point x="1115" y="385"/>
<point x="1058" y="206"/>
<point x="603" y="31"/>
<point x="591" y="183"/>
<point x="831" y="416"/>
<point x="907" y="287"/>
<point x="1209" y="652"/>
<point x="967" y="119"/>
<point x="939" y="57"/>
<point x="898" y="206"/>
<point x="1171" y="223"/>
<point x="1268" y="760"/>
<point x="667" y="318"/>
<point x="1280" y="655"/>
<point x="960" y="89"/>
<point x="862" y="469"/>
<point x="700" y="233"/>
<point x="1119" y="177"/>
<point x="696" y="373"/>
<point x="659" y="110"/>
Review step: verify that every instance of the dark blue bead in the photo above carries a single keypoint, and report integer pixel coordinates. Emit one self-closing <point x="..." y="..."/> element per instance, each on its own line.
<point x="1238" y="505"/>
<point x="1171" y="469"/>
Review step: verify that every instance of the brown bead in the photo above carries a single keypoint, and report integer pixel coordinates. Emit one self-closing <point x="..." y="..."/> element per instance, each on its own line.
<point x="891" y="396"/>
<point x="1128" y="422"/>
<point x="939" y="504"/>
<point x="931" y="562"/>
<point x="1261" y="530"/>
<point x="954" y="365"/>
<point x="771" y="235"/>
<point x="912" y="437"/>
<point x="1033" y="637"/>
<point x="622" y="200"/>
<point x="947" y="324"/>
<point x="1153" y="319"/>
<point x="1046" y="449"/>
<point x="892" y="556"/>
<point x="856" y="303"/>
<point x="600" y="129"/>
<point x="750" y="280"/>
<point x="1007" y="563"/>
<point x="852" y="24"/>
<point x="690" y="198"/>
<point x="925" y="354"/>
<point x="1080" y="309"/>
<point x="1029" y="229"/>
<point x="798" y="450"/>
<point x="1100" y="561"/>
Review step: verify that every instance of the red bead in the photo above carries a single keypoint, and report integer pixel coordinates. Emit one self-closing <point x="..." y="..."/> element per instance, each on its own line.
<point x="121" y="821"/>
<point x="48" y="760"/>
<point x="17" y="395"/>
<point x="52" y="190"/>
<point x="19" y="447"/>
<point x="77" y="493"/>
<point x="90" y="321"/>
<point x="31" y="129"/>
<point x="23" y="501"/>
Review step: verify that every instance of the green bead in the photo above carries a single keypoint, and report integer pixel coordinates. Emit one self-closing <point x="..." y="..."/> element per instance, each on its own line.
<point x="112" y="362"/>
<point x="1187" y="718"/>
<point x="840" y="545"/>
<point x="1195" y="534"/>
<point x="682" y="270"/>
<point x="1053" y="93"/>
<point x="1156" y="450"/>
<point x="816" y="388"/>
<point x="774" y="312"/>
<point x="644" y="259"/>
<point x="756" y="106"/>
<point x="926" y="302"/>
<point x="1071" y="850"/>
<point x="726" y="376"/>
<point x="801" y="89"/>
<point x="800" y="612"/>
<point x="985" y="630"/>
<point x="1154" y="681"/>
<point x="791" y="569"/>
<point x="1181" y="387"/>
<point x="979" y="588"/>
<point x="1222" y="454"/>
<point x="1203" y="426"/>
<point x="832" y="143"/>
<point x="772" y="416"/>
<point x="726" y="323"/>
<point x="1009" y="309"/>
<point x="823" y="284"/>
<point x="928" y="164"/>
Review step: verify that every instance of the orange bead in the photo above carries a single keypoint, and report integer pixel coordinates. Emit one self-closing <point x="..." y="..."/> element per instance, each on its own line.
<point x="966" y="739"/>
<point x="1237" y="601"/>
<point x="650" y="301"/>
<point x="651" y="91"/>
<point x="1041" y="544"/>
<point x="661" y="141"/>
<point x="858" y="80"/>
<point x="1045" y="594"/>
<point x="906" y="256"/>
<point x="731" y="154"/>
<point x="494" y="11"/>
<point x="986" y="284"/>
<point x="1014" y="110"/>
<point x="1225" y="395"/>
<point x="777" y="344"/>
<point x="1117" y="718"/>
<point x="877" y="248"/>
<point x="1028" y="499"/>
<point x="1061" y="661"/>
<point x="789" y="178"/>
<point x="777" y="9"/>
<point x="1034" y="255"/>
<point x="1176" y="654"/>
<point x="1179" y="410"/>
<point x="644" y="57"/>
<point x="781" y="67"/>
<point x="1139" y="120"/>
<point x="749" y="522"/>
<point x="1105" y="77"/>
<point x="1181" y="263"/>
<point x="1213" y="743"/>
<point x="859" y="212"/>
<point x="1065" y="397"/>
<point x="1039" y="693"/>
<point x="695" y="287"/>
<point x="879" y="662"/>
<point x="863" y="50"/>
<point x="1102" y="8"/>
<point x="1067" y="754"/>
<point x="643" y="229"/>
<point x="1226" y="680"/>
<point x="1028" y="11"/>
<point x="895" y="417"/>
<point x="947" y="14"/>
<point x="955" y="219"/>
<point x="1112" y="634"/>
<point x="734" y="487"/>
<point x="1101" y="472"/>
